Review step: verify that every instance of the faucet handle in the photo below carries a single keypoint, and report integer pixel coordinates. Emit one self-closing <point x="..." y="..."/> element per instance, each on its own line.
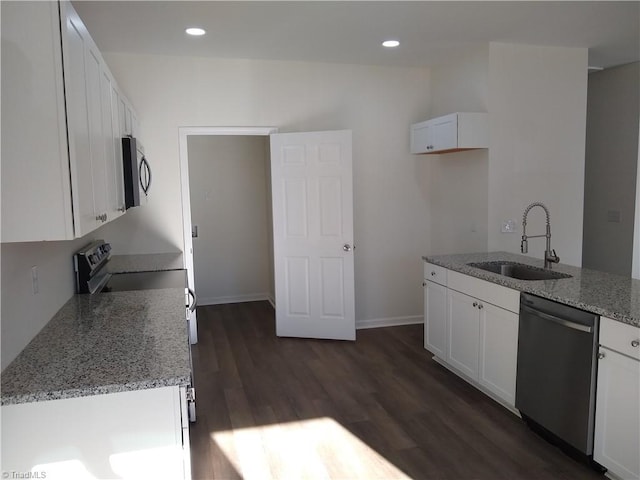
<point x="553" y="257"/>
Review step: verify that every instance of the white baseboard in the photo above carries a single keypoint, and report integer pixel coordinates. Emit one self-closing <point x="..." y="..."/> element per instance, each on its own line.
<point x="249" y="297"/>
<point x="272" y="300"/>
<point x="389" y="322"/>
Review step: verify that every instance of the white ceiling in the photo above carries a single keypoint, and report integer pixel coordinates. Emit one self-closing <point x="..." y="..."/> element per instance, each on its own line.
<point x="430" y="32"/>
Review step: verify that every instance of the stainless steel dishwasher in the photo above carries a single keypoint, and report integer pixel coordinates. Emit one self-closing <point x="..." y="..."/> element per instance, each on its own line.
<point x="556" y="373"/>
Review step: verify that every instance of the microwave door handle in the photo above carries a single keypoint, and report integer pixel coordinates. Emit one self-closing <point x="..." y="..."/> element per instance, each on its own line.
<point x="145" y="180"/>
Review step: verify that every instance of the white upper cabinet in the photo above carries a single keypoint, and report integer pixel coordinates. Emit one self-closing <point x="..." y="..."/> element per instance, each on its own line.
<point x="36" y="189"/>
<point x="450" y="133"/>
<point x="61" y="155"/>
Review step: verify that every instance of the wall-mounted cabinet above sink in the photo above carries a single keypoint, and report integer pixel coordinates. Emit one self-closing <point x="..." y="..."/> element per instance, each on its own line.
<point x="450" y="133"/>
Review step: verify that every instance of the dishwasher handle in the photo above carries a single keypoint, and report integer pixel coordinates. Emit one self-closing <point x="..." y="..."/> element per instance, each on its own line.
<point x="558" y="320"/>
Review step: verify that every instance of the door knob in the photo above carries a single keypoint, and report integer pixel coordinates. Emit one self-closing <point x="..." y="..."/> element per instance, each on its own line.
<point x="346" y="247"/>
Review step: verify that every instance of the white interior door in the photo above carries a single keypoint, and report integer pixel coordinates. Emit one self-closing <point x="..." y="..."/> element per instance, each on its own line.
<point x="312" y="198"/>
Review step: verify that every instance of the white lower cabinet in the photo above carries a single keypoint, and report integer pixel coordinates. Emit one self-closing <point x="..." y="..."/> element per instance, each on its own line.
<point x="498" y="351"/>
<point x="137" y="434"/>
<point x="463" y="320"/>
<point x="435" y="325"/>
<point x="617" y="428"/>
<point x="472" y="326"/>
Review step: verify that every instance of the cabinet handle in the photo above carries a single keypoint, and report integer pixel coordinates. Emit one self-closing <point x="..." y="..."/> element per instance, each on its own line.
<point x="101" y="218"/>
<point x="480" y="306"/>
<point x="122" y="209"/>
<point x="424" y="284"/>
<point x="433" y="274"/>
<point x="635" y="343"/>
<point x="475" y="304"/>
<point x="601" y="355"/>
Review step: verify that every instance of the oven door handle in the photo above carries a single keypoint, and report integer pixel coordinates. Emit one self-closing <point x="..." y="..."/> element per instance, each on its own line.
<point x="558" y="320"/>
<point x="194" y="304"/>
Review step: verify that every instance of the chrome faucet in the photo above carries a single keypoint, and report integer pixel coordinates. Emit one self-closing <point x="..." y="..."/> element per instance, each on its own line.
<point x="549" y="255"/>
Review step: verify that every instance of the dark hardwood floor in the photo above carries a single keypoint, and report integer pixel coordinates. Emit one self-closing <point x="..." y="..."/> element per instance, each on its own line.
<point x="379" y="407"/>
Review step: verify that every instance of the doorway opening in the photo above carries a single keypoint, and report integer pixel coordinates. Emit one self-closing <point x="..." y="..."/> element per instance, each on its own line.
<point x="226" y="213"/>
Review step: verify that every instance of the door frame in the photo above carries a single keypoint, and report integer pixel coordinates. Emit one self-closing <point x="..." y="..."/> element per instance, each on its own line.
<point x="185" y="194"/>
<point x="635" y="270"/>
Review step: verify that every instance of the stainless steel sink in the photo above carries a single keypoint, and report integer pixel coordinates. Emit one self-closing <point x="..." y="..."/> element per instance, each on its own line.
<point x="519" y="271"/>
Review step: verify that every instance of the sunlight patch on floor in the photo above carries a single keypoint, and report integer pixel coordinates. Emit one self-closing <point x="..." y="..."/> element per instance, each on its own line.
<point x="315" y="448"/>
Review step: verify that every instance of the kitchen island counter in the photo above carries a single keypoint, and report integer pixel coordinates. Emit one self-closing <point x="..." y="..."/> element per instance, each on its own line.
<point x="613" y="296"/>
<point x="104" y="343"/>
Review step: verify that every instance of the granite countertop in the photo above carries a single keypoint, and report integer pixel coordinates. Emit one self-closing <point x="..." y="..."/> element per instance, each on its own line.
<point x="613" y="296"/>
<point x="104" y="343"/>
<point x="149" y="262"/>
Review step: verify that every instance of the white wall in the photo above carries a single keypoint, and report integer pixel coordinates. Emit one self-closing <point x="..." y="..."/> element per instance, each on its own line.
<point x="230" y="205"/>
<point x="23" y="312"/>
<point x="377" y="103"/>
<point x="613" y="109"/>
<point x="458" y="182"/>
<point x="537" y="107"/>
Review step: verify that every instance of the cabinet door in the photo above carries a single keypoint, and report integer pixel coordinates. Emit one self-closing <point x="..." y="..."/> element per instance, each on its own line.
<point x="113" y="158"/>
<point x="136" y="434"/>
<point x="36" y="188"/>
<point x="135" y="125"/>
<point x="78" y="121"/>
<point x="443" y="133"/>
<point x="498" y="351"/>
<point x="419" y="142"/>
<point x="96" y="131"/>
<point x="464" y="329"/>
<point x="435" y="319"/>
<point x="617" y="429"/>
<point x="122" y="116"/>
<point x="117" y="141"/>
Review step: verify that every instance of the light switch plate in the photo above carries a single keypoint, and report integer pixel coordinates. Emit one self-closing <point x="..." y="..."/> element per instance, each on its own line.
<point x="34" y="280"/>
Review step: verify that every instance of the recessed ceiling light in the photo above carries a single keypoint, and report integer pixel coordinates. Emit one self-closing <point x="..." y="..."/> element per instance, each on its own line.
<point x="390" y="43"/>
<point x="195" y="31"/>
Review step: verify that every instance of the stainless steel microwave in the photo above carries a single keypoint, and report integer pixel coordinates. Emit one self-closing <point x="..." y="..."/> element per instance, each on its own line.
<point x="137" y="172"/>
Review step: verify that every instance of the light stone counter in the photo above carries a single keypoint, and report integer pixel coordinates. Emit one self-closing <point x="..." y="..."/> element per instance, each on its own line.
<point x="613" y="296"/>
<point x="104" y="343"/>
<point x="150" y="262"/>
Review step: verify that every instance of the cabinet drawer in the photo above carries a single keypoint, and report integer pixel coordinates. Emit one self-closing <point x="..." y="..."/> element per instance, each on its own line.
<point x="619" y="336"/>
<point x="498" y="295"/>
<point x="435" y="273"/>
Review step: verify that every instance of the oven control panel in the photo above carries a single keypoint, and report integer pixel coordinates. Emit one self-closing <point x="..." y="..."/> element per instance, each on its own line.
<point x="89" y="263"/>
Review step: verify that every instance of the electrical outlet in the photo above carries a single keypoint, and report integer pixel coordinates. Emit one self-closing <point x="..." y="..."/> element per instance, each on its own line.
<point x="508" y="226"/>
<point x="34" y="279"/>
